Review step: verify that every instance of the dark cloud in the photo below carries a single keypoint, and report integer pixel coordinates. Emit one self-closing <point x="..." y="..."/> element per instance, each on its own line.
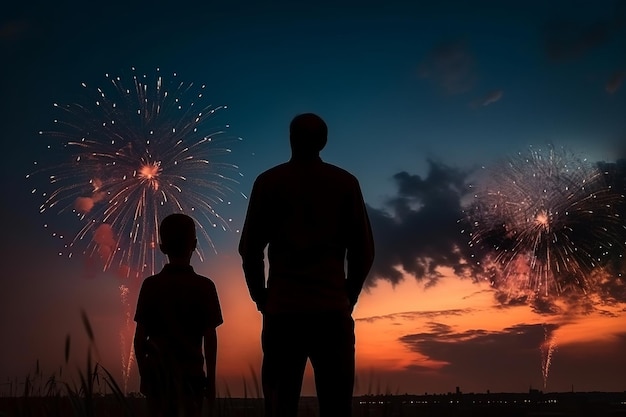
<point x="589" y="365"/>
<point x="476" y="293"/>
<point x="451" y="66"/>
<point x="522" y="355"/>
<point x="475" y="352"/>
<point x="545" y="306"/>
<point x="412" y="315"/>
<point x="567" y="40"/>
<point x="418" y="229"/>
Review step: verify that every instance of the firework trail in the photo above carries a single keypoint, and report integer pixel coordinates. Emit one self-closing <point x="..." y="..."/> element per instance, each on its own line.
<point x="126" y="337"/>
<point x="543" y="221"/>
<point x="135" y="152"/>
<point x="547" y="350"/>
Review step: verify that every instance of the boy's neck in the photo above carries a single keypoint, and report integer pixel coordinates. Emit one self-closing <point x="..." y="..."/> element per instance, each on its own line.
<point x="184" y="261"/>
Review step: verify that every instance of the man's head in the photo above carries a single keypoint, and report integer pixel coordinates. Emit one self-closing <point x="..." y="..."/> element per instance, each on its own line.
<point x="178" y="236"/>
<point x="307" y="134"/>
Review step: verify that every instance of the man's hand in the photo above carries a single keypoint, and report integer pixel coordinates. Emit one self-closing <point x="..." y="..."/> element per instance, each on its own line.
<point x="261" y="300"/>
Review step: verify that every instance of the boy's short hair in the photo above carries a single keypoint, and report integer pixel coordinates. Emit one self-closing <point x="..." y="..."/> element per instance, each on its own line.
<point x="178" y="234"/>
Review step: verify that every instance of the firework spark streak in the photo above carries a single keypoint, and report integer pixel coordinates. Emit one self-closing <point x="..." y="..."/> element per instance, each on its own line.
<point x="545" y="220"/>
<point x="135" y="153"/>
<point x="547" y="350"/>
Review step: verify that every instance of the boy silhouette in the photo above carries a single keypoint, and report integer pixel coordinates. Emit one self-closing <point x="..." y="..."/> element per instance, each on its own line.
<point x="178" y="312"/>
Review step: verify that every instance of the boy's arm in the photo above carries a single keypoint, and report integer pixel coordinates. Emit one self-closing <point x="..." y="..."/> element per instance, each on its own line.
<point x="210" y="357"/>
<point x="140" y="346"/>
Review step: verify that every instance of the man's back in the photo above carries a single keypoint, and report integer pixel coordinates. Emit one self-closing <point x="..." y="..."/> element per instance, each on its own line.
<point x="312" y="205"/>
<point x="309" y="213"/>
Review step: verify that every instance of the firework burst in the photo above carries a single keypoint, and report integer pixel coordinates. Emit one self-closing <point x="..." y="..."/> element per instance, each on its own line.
<point x="543" y="221"/>
<point x="135" y="152"/>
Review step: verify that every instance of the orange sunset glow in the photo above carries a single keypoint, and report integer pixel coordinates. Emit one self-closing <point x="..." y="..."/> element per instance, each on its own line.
<point x="386" y="316"/>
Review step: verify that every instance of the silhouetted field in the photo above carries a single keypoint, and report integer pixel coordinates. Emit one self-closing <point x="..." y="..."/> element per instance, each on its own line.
<point x="96" y="394"/>
<point x="534" y="404"/>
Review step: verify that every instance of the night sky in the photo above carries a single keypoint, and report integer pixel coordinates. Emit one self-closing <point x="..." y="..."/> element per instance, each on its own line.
<point x="418" y="97"/>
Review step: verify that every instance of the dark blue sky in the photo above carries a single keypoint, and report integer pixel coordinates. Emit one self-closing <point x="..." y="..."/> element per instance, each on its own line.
<point x="399" y="83"/>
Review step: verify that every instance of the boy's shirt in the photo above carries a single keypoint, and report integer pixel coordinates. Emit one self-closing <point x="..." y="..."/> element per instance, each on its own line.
<point x="176" y="306"/>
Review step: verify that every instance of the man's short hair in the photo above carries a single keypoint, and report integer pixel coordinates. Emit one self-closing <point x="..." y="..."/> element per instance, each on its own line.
<point x="308" y="133"/>
<point x="177" y="232"/>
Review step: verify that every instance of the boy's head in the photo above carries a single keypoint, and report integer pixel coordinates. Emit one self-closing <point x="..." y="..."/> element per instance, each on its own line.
<point x="178" y="236"/>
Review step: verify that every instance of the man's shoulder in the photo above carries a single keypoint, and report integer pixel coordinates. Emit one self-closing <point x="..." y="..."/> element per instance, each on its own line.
<point x="338" y="171"/>
<point x="273" y="171"/>
<point x="280" y="171"/>
<point x="202" y="280"/>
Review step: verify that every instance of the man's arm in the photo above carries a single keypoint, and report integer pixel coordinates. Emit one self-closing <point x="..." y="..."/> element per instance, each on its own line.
<point x="360" y="251"/>
<point x="252" y="245"/>
<point x="210" y="357"/>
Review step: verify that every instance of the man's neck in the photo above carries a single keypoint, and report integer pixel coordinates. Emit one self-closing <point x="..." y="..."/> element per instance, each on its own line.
<point x="305" y="157"/>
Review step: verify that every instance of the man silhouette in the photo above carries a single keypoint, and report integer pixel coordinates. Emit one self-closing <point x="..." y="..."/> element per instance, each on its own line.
<point x="311" y="217"/>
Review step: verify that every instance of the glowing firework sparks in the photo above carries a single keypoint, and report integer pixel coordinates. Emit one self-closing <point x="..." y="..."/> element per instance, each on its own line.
<point x="136" y="152"/>
<point x="546" y="221"/>
<point x="126" y="336"/>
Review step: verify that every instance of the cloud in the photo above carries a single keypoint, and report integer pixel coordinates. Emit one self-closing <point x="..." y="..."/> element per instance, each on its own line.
<point x="569" y="41"/>
<point x="515" y="357"/>
<point x="566" y="40"/>
<point x="418" y="229"/>
<point x="411" y="315"/>
<point x="490" y="98"/>
<point x="509" y="351"/>
<point x="615" y="82"/>
<point x="451" y="66"/>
